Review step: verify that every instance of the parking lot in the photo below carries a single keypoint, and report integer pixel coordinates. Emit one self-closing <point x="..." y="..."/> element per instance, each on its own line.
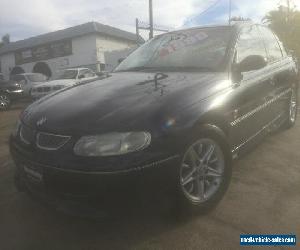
<point x="263" y="198"/>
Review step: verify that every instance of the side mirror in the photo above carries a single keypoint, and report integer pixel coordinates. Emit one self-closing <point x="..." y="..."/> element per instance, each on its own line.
<point x="250" y="63"/>
<point x="80" y="76"/>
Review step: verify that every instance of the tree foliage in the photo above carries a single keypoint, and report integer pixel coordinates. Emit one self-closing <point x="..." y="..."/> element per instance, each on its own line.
<point x="5" y="40"/>
<point x="286" y="24"/>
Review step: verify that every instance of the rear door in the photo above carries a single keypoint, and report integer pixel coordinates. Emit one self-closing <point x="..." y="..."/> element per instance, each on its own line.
<point x="280" y="68"/>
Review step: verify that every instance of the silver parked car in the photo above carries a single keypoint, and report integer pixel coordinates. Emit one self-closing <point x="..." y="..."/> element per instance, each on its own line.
<point x="67" y="78"/>
<point x="28" y="81"/>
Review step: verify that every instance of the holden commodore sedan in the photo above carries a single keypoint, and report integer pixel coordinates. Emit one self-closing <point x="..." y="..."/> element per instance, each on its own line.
<point x="175" y="113"/>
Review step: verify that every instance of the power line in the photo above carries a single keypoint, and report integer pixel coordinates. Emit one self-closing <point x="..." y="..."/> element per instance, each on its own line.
<point x="206" y="10"/>
<point x="209" y="7"/>
<point x="229" y="12"/>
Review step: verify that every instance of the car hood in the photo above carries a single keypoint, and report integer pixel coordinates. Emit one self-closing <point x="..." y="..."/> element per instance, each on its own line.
<point x="65" y="82"/>
<point x="123" y="101"/>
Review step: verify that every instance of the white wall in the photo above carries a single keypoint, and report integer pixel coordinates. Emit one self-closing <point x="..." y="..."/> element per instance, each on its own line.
<point x="112" y="57"/>
<point x="84" y="51"/>
<point x="7" y="63"/>
<point x="108" y="44"/>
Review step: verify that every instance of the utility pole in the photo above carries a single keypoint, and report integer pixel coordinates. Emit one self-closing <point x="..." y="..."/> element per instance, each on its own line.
<point x="288" y="11"/>
<point x="229" y="12"/>
<point x="150" y="20"/>
<point x="137" y="30"/>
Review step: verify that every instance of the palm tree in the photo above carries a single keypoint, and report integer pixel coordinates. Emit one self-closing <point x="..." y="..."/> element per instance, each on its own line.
<point x="286" y="24"/>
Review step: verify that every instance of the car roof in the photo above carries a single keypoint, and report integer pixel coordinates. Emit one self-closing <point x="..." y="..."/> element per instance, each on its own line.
<point x="235" y="25"/>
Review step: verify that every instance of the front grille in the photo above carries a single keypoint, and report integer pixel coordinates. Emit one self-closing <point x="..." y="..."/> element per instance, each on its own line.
<point x="50" y="141"/>
<point x="26" y="135"/>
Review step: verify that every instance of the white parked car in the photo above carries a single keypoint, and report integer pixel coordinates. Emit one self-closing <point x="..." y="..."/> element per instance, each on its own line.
<point x="69" y="77"/>
<point x="28" y="80"/>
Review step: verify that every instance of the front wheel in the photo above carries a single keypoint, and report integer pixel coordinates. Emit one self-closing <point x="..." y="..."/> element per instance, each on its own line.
<point x="5" y="101"/>
<point x="204" y="174"/>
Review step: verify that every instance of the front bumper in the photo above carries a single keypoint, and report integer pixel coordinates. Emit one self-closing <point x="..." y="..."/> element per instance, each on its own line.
<point x="16" y="94"/>
<point x="61" y="183"/>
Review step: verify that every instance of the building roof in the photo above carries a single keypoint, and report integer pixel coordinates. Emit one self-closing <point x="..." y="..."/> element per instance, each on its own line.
<point x="75" y="31"/>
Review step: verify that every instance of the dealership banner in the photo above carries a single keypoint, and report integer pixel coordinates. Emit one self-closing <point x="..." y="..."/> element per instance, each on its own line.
<point x="44" y="52"/>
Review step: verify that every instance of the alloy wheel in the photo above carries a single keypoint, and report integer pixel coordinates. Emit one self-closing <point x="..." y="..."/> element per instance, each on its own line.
<point x="4" y="101"/>
<point x="202" y="170"/>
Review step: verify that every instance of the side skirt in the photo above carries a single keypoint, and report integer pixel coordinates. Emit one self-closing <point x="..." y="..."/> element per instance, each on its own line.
<point x="257" y="137"/>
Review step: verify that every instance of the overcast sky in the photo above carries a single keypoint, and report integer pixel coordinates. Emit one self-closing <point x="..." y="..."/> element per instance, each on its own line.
<point x="23" y="19"/>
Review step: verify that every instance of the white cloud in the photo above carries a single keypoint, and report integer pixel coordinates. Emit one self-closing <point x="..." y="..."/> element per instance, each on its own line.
<point x="24" y="18"/>
<point x="38" y="15"/>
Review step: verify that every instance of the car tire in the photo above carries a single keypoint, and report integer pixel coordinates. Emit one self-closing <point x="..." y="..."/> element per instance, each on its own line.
<point x="5" y="101"/>
<point x="204" y="173"/>
<point x="292" y="109"/>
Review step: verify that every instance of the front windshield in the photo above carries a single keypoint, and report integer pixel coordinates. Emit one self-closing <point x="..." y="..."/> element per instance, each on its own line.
<point x="36" y="78"/>
<point x="194" y="49"/>
<point x="68" y="74"/>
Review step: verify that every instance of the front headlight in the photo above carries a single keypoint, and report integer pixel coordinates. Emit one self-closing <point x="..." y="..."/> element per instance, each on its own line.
<point x="112" y="144"/>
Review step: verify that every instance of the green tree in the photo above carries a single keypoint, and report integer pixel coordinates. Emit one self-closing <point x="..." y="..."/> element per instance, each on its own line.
<point x="5" y="40"/>
<point x="285" y="23"/>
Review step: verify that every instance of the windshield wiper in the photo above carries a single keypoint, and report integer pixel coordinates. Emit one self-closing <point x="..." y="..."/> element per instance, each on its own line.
<point x="164" y="69"/>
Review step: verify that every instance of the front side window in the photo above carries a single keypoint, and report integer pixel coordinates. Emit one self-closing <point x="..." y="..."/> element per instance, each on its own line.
<point x="271" y="43"/>
<point x="249" y="44"/>
<point x="194" y="49"/>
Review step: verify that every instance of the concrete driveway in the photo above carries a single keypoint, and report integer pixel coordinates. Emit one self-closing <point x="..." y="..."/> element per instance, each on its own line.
<point x="263" y="198"/>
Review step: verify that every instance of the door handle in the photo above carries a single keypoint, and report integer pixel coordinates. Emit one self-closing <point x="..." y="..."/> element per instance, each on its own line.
<point x="236" y="84"/>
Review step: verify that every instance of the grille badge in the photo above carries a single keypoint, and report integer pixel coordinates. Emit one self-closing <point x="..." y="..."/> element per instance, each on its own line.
<point x="41" y="121"/>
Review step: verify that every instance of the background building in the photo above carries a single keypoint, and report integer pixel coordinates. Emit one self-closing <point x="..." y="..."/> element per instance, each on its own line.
<point x="78" y="46"/>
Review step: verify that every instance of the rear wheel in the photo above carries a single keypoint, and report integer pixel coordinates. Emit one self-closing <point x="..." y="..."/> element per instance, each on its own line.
<point x="5" y="101"/>
<point x="204" y="173"/>
<point x="292" y="107"/>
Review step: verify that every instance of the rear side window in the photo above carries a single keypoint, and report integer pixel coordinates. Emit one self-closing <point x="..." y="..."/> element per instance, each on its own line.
<point x="249" y="44"/>
<point x="272" y="46"/>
